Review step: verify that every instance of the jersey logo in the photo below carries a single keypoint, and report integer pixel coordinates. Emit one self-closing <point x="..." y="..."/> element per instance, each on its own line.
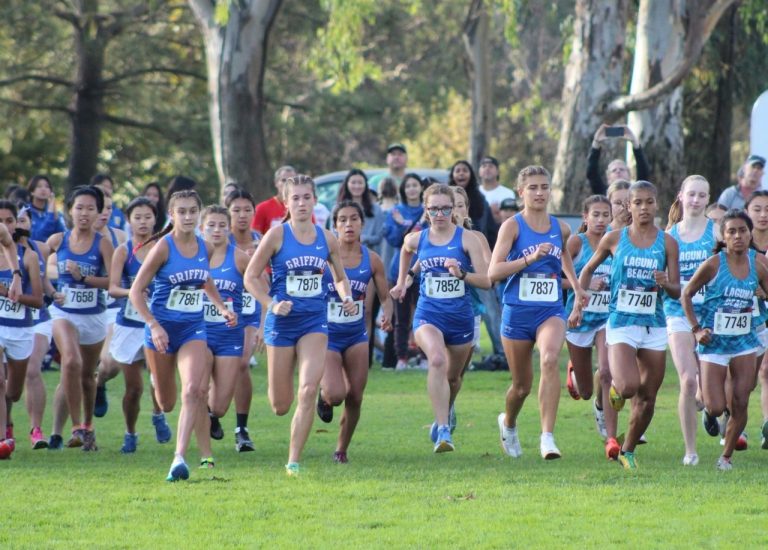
<point x="223" y="269"/>
<point x="451" y="248"/>
<point x="319" y="247"/>
<point x="201" y="259"/>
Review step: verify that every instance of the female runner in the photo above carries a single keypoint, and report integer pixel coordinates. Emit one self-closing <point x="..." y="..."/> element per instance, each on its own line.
<point x="726" y="335"/>
<point x="443" y="321"/>
<point x="529" y="254"/>
<point x="175" y="328"/>
<point x="591" y="332"/>
<point x="346" y="361"/>
<point x="296" y="325"/>
<point x="645" y="262"/>
<point x="696" y="238"/>
<point x="79" y="322"/>
<point x="127" y="344"/>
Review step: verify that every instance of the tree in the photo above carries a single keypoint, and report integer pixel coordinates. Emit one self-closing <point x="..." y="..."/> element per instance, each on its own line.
<point x="235" y="35"/>
<point x="478" y="53"/>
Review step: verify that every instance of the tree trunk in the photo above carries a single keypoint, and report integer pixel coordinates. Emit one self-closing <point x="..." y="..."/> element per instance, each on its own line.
<point x="593" y="73"/>
<point x="236" y="55"/>
<point x="658" y="50"/>
<point x="479" y="63"/>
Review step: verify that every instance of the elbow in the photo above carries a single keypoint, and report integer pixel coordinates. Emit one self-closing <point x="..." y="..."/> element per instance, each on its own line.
<point x="493" y="275"/>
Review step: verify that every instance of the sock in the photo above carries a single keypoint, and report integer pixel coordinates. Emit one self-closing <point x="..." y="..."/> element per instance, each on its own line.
<point x="242" y="420"/>
<point x="158" y="415"/>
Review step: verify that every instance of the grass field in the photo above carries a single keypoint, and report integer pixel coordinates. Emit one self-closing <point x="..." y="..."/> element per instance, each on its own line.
<point x="394" y="492"/>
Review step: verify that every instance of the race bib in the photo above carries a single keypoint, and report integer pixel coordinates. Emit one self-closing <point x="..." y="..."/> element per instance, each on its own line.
<point x="131" y="313"/>
<point x="697" y="298"/>
<point x="185" y="301"/>
<point x="35" y="314"/>
<point x="598" y="301"/>
<point x="80" y="298"/>
<point x="443" y="286"/>
<point x="539" y="287"/>
<point x="637" y="301"/>
<point x="336" y="313"/>
<point x="732" y="322"/>
<point x="12" y="310"/>
<point x="249" y="304"/>
<point x="211" y="312"/>
<point x="109" y="300"/>
<point x="755" y="306"/>
<point x="304" y="286"/>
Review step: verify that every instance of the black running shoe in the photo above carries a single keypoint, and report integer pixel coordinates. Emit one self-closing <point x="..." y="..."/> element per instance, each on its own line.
<point x="217" y="432"/>
<point x="243" y="443"/>
<point x="710" y="423"/>
<point x="324" y="410"/>
<point x="101" y="405"/>
<point x="55" y="443"/>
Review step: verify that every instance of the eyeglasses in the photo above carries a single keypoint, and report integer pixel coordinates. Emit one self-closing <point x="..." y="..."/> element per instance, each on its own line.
<point x="445" y="211"/>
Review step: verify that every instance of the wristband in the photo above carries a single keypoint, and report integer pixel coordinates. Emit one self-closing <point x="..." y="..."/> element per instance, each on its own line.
<point x="695" y="329"/>
<point x="82" y="278"/>
<point x="411" y="273"/>
<point x="16" y="272"/>
<point x="348" y="299"/>
<point x="462" y="275"/>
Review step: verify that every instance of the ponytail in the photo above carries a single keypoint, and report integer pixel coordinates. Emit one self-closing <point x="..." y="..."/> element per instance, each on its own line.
<point x="675" y="213"/>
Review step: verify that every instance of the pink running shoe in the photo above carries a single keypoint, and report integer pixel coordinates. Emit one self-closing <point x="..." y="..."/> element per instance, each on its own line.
<point x="37" y="438"/>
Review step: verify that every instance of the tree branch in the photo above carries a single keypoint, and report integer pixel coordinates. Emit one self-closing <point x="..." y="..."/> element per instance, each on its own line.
<point x="36" y="106"/>
<point x="151" y="70"/>
<point x="699" y="31"/>
<point x="131" y="123"/>
<point x="273" y="101"/>
<point x="203" y="10"/>
<point x="36" y="78"/>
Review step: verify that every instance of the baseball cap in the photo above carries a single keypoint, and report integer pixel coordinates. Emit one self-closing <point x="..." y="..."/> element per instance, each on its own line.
<point x="756" y="159"/>
<point x="490" y="160"/>
<point x="392" y="146"/>
<point x="509" y="204"/>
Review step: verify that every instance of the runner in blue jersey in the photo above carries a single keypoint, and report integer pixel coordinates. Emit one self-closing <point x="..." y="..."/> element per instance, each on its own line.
<point x="449" y="260"/>
<point x="83" y="258"/>
<point x="225" y="344"/>
<point x="645" y="263"/>
<point x="723" y="328"/>
<point x="529" y="255"/>
<point x="241" y="208"/>
<point x="126" y="348"/>
<point x="174" y="335"/>
<point x="696" y="237"/>
<point x="16" y="335"/>
<point x="591" y="332"/>
<point x="346" y="361"/>
<point x="296" y="324"/>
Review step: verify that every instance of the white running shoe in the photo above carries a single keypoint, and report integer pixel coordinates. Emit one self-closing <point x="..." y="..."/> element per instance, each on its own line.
<point x="402" y="365"/>
<point x="599" y="419"/>
<point x="549" y="450"/>
<point x="510" y="443"/>
<point x="724" y="464"/>
<point x="691" y="460"/>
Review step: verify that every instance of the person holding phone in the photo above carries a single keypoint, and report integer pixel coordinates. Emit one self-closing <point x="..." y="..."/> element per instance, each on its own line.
<point x="617" y="168"/>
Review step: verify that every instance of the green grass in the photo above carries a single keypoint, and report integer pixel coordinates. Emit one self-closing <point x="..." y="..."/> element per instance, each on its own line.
<point x="395" y="491"/>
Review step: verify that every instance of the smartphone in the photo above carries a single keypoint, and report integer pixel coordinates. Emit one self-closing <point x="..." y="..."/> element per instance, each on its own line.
<point x="614" y="131"/>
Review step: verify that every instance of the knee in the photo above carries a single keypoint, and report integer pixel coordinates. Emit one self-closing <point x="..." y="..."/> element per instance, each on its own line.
<point x="549" y="360"/>
<point x="193" y="392"/>
<point x="133" y="392"/>
<point x="219" y="409"/>
<point x="166" y="403"/>
<point x="32" y="376"/>
<point x="354" y="399"/>
<point x="688" y="385"/>
<point x="521" y="391"/>
<point x="334" y="398"/>
<point x="604" y="374"/>
<point x="739" y="402"/>
<point x="13" y="395"/>
<point x="716" y="409"/>
<point x="307" y="394"/>
<point x="71" y="364"/>
<point x="438" y="360"/>
<point x="281" y="408"/>
<point x="628" y="388"/>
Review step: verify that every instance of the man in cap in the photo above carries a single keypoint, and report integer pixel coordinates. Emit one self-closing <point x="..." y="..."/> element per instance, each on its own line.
<point x="748" y="179"/>
<point x="397" y="160"/>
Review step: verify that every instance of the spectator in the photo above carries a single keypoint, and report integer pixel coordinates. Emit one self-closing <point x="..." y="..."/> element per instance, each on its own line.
<point x="388" y="199"/>
<point x="748" y="178"/>
<point x="155" y="194"/>
<point x="271" y="212"/>
<point x="42" y="209"/>
<point x="355" y="188"/>
<point x="508" y="208"/>
<point x="228" y="188"/>
<point x="107" y="185"/>
<point x="617" y="168"/>
<point x="490" y="187"/>
<point x="463" y="175"/>
<point x="178" y="183"/>
<point x="715" y="212"/>
<point x="397" y="160"/>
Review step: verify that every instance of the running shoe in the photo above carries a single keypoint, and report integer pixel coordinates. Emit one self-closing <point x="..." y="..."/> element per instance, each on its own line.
<point x="764" y="432"/>
<point x="243" y="443"/>
<point x="570" y="382"/>
<point x="444" y="442"/>
<point x="617" y="401"/>
<point x="89" y="440"/>
<point x="452" y="418"/>
<point x="642" y="440"/>
<point x="549" y="450"/>
<point x="612" y="449"/>
<point x="510" y="443"/>
<point x="77" y="439"/>
<point x="324" y="410"/>
<point x="217" y="432"/>
<point x="723" y="422"/>
<point x="741" y="442"/>
<point x="627" y="460"/>
<point x="55" y="443"/>
<point x="6" y="448"/>
<point x="9" y="431"/>
<point x="130" y="441"/>
<point x="402" y="364"/>
<point x="37" y="438"/>
<point x="599" y="419"/>
<point x="179" y="471"/>
<point x="711" y="426"/>
<point x="340" y="457"/>
<point x="292" y="469"/>
<point x="163" y="432"/>
<point x="724" y="464"/>
<point x="691" y="460"/>
<point x="207" y="463"/>
<point x="433" y="432"/>
<point x="101" y="405"/>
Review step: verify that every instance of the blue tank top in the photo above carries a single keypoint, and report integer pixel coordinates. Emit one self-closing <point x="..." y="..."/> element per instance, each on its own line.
<point x="692" y="255"/>
<point x="759" y="307"/>
<point x="297" y="272"/>
<point x="440" y="292"/>
<point x="81" y="298"/>
<point x="251" y="312"/>
<point x="635" y="296"/>
<point x="727" y="310"/>
<point x="127" y="316"/>
<point x="39" y="315"/>
<point x="14" y="314"/>
<point x="538" y="284"/>
<point x="595" y="313"/>
<point x="359" y="277"/>
<point x="178" y="293"/>
<point x="229" y="283"/>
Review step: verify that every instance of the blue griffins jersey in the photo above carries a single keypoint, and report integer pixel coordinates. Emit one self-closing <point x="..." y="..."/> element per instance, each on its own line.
<point x="297" y="272"/>
<point x="178" y="292"/>
<point x="80" y="298"/>
<point x="441" y="292"/>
